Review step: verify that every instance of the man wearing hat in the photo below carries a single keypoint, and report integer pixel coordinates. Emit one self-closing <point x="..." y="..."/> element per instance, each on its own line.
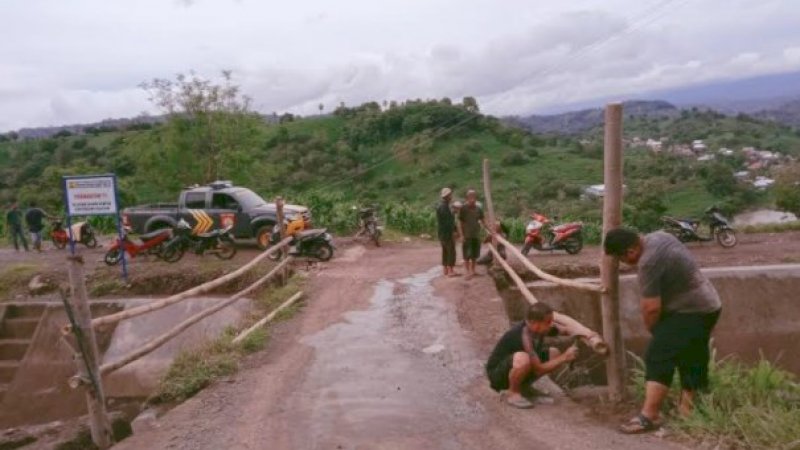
<point x="446" y="224"/>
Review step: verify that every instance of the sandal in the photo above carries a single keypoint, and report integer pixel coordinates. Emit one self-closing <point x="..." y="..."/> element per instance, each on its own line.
<point x="638" y="424"/>
<point x="520" y="402"/>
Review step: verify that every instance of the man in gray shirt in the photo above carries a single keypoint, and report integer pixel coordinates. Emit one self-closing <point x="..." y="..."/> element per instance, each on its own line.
<point x="680" y="307"/>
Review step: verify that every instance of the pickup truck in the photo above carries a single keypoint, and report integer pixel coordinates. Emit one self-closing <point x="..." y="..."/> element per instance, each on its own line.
<point x="217" y="205"/>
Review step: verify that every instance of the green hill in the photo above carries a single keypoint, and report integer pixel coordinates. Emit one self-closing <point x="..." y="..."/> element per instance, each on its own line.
<point x="398" y="157"/>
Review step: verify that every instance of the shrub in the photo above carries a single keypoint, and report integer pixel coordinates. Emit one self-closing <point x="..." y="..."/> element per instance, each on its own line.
<point x="515" y="158"/>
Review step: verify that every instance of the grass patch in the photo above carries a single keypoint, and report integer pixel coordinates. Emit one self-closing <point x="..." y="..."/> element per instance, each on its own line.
<point x="16" y="277"/>
<point x="749" y="406"/>
<point x="193" y="370"/>
<point x="773" y="227"/>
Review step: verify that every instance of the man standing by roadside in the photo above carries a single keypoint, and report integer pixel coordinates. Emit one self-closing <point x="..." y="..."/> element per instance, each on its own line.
<point x="470" y="219"/>
<point x="680" y="308"/>
<point x="446" y="225"/>
<point x="14" y="224"/>
<point x="34" y="218"/>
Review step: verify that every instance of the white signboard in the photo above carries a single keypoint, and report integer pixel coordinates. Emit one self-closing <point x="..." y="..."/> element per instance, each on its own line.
<point x="91" y="196"/>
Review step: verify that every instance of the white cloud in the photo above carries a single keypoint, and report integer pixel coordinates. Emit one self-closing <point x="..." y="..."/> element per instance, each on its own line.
<point x="73" y="62"/>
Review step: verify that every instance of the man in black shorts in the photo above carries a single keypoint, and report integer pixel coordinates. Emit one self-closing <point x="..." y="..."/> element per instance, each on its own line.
<point x="446" y="227"/>
<point x="520" y="357"/>
<point x="470" y="219"/>
<point x="680" y="307"/>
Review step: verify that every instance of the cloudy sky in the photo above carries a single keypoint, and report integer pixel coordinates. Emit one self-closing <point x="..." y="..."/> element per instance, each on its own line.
<point x="82" y="60"/>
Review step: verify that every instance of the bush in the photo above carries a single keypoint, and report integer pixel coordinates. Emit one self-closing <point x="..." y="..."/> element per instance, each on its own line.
<point x="515" y="158"/>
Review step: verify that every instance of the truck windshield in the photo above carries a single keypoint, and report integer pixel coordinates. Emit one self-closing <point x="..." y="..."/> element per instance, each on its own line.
<point x="249" y="199"/>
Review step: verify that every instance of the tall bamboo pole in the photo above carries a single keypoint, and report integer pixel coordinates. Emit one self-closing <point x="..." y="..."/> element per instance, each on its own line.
<point x="487" y="195"/>
<point x="609" y="267"/>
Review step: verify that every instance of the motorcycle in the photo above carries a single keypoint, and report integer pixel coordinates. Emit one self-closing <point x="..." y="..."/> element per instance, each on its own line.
<point x="542" y="235"/>
<point x="218" y="242"/>
<point x="150" y="244"/>
<point x="82" y="232"/>
<point x="314" y="243"/>
<point x="686" y="230"/>
<point x="368" y="224"/>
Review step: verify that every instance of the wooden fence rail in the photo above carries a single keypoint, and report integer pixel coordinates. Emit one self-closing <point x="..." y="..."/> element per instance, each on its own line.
<point x="174" y="331"/>
<point x="193" y="292"/>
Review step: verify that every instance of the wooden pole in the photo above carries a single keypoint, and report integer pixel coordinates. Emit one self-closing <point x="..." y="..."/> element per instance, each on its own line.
<point x="575" y="328"/>
<point x="487" y="194"/>
<point x="174" y="331"/>
<point x="609" y="267"/>
<point x="279" y="215"/>
<point x="269" y="317"/>
<point x="89" y="355"/>
<point x="544" y="275"/>
<point x="193" y="292"/>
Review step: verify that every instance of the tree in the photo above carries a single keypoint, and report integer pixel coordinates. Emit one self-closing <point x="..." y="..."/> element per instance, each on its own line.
<point x="321" y="107"/>
<point x="787" y="189"/>
<point x="206" y="119"/>
<point x="470" y="104"/>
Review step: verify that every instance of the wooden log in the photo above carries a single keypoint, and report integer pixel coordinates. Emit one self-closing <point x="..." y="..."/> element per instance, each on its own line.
<point x="487" y="195"/>
<point x="174" y="331"/>
<point x="88" y="355"/>
<point x="544" y="275"/>
<point x="193" y="292"/>
<point x="269" y="317"/>
<point x="575" y="328"/>
<point x="609" y="266"/>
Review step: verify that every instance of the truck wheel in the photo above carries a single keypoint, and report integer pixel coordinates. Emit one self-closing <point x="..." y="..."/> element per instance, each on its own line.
<point x="263" y="236"/>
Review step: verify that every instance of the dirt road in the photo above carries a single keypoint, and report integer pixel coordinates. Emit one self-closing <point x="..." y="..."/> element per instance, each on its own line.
<point x="386" y="355"/>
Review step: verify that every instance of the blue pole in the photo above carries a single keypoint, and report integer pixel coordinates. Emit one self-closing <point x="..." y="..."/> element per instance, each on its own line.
<point x="69" y="218"/>
<point x="119" y="231"/>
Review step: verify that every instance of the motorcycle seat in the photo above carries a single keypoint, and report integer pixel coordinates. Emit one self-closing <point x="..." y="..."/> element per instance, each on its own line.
<point x="154" y="234"/>
<point x="567" y="226"/>
<point x="310" y="233"/>
<point x="210" y="234"/>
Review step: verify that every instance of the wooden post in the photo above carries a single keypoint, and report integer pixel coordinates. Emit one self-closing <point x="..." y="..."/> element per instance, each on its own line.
<point x="89" y="355"/>
<point x="609" y="267"/>
<point x="487" y="194"/>
<point x="284" y="276"/>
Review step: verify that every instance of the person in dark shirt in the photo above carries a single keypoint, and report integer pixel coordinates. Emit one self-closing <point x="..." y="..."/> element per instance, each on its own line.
<point x="14" y="224"/>
<point x="520" y="357"/>
<point x="446" y="224"/>
<point x="34" y="218"/>
<point x="470" y="220"/>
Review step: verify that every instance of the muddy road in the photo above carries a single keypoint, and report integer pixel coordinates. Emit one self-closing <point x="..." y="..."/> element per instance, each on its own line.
<point x="385" y="355"/>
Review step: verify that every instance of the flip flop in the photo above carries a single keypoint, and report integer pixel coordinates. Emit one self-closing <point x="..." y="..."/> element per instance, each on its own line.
<point x="519" y="402"/>
<point x="639" y="424"/>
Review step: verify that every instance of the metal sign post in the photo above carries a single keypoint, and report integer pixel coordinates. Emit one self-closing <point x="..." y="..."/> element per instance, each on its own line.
<point x="93" y="195"/>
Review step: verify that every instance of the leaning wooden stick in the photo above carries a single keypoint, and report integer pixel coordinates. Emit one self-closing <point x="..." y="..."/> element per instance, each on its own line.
<point x="544" y="275"/>
<point x="269" y="317"/>
<point x="161" y="340"/>
<point x="575" y="328"/>
<point x="193" y="292"/>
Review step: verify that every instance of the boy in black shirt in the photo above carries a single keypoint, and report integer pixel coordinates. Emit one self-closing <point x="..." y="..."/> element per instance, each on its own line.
<point x="520" y="357"/>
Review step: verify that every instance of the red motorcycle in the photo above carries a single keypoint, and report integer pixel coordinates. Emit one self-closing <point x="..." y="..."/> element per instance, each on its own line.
<point x="82" y="232"/>
<point x="151" y="244"/>
<point x="542" y="235"/>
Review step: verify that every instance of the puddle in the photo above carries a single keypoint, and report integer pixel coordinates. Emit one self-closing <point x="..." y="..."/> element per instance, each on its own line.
<point x="395" y="370"/>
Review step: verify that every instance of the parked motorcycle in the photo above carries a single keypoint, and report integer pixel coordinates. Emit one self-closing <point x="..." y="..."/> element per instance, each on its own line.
<point x="149" y="244"/>
<point x="687" y="230"/>
<point x="368" y="224"/>
<point x="542" y="235"/>
<point x="314" y="243"/>
<point x="218" y="242"/>
<point x="82" y="232"/>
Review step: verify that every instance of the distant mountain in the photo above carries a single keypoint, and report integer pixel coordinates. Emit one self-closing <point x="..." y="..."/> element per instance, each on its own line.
<point x="787" y="113"/>
<point x="579" y="121"/>
<point x="106" y="125"/>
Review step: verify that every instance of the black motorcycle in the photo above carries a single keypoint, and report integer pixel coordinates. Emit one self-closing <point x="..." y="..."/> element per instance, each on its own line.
<point x="687" y="230"/>
<point x="316" y="243"/>
<point x="218" y="242"/>
<point x="368" y="224"/>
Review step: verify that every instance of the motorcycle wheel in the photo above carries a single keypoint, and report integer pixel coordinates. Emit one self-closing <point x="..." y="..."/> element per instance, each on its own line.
<point x="58" y="243"/>
<point x="727" y="238"/>
<point x="113" y="257"/>
<point x="374" y="234"/>
<point x="225" y="250"/>
<point x="526" y="249"/>
<point x="90" y="241"/>
<point x="276" y="256"/>
<point x="324" y="252"/>
<point x="170" y="253"/>
<point x="573" y="246"/>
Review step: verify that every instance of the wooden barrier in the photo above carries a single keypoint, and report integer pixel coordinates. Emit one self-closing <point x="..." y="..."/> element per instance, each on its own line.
<point x="174" y="331"/>
<point x="240" y="337"/>
<point x="193" y="292"/>
<point x="575" y="328"/>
